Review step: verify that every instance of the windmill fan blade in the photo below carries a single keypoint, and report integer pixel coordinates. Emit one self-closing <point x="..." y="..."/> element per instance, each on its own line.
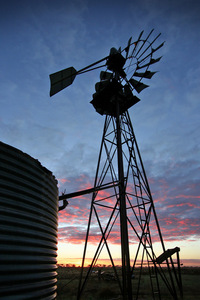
<point x="61" y="79"/>
<point x="150" y="44"/>
<point x="152" y="61"/>
<point x="136" y="43"/>
<point x="154" y="50"/>
<point x="147" y="74"/>
<point x="141" y="33"/>
<point x="128" y="47"/>
<point x="138" y="86"/>
<point x="144" y="42"/>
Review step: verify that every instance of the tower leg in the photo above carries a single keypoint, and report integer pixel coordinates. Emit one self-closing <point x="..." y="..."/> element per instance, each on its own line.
<point x="126" y="270"/>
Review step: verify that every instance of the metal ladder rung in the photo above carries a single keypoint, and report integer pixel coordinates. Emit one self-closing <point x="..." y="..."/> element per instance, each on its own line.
<point x="138" y="185"/>
<point x="141" y="207"/>
<point x="148" y="247"/>
<point x="156" y="292"/>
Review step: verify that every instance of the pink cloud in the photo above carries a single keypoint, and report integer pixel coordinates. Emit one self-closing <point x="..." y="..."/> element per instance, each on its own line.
<point x="63" y="180"/>
<point x="178" y="213"/>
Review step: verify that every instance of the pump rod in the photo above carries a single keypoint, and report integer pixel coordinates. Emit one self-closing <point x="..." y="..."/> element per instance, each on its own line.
<point x="88" y="191"/>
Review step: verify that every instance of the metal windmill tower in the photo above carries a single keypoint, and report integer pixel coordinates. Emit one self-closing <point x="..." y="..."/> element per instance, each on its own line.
<point x="126" y="206"/>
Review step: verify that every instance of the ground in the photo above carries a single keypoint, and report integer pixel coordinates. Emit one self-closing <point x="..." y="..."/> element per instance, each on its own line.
<point x="105" y="287"/>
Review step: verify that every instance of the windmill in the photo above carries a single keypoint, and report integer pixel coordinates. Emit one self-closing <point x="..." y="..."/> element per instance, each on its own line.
<point x="127" y="207"/>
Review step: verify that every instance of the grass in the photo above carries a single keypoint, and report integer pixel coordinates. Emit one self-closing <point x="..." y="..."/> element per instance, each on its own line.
<point x="107" y="288"/>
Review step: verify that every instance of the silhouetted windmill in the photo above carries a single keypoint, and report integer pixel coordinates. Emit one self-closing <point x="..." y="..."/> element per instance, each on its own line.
<point x="127" y="207"/>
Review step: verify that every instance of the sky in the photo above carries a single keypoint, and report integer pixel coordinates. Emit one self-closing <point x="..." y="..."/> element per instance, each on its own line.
<point x="63" y="132"/>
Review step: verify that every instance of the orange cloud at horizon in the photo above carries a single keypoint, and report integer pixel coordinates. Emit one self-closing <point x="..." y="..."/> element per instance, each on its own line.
<point x="77" y="262"/>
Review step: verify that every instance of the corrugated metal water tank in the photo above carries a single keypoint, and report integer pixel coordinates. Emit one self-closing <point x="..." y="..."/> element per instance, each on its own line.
<point x="28" y="227"/>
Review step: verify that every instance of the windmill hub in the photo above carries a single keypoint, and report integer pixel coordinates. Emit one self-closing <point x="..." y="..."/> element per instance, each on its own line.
<point x="109" y="93"/>
<point x="116" y="61"/>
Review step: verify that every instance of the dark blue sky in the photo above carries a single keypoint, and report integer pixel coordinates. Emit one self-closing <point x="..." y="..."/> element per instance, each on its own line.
<point x="63" y="132"/>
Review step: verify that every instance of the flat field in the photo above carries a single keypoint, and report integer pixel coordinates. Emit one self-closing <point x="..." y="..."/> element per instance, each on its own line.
<point x="105" y="287"/>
